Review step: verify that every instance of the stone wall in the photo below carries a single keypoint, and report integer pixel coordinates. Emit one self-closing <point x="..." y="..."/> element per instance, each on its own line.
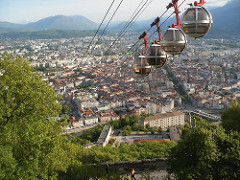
<point x="124" y="167"/>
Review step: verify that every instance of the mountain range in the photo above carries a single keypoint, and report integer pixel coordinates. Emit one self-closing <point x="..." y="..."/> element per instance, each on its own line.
<point x="226" y="22"/>
<point x="58" y="22"/>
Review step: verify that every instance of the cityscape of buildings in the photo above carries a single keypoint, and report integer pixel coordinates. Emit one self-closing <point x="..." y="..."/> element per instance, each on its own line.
<point x="101" y="85"/>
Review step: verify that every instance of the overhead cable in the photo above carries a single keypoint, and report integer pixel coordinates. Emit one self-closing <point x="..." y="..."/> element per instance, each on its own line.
<point x="108" y="24"/>
<point x="132" y="18"/>
<point x="151" y="27"/>
<point x="140" y="14"/>
<point x="101" y="23"/>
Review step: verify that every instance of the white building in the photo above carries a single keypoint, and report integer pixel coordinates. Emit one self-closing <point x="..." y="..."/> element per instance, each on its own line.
<point x="90" y="120"/>
<point x="165" y="120"/>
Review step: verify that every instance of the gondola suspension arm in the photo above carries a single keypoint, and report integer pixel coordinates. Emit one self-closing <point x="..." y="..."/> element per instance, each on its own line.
<point x="176" y="11"/>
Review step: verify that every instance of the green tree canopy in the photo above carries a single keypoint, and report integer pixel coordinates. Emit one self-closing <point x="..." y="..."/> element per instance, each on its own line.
<point x="144" y="150"/>
<point x="66" y="109"/>
<point x="30" y="143"/>
<point x="231" y="117"/>
<point x="206" y="153"/>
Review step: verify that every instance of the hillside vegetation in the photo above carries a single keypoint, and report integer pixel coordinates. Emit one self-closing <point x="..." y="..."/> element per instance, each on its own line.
<point x="32" y="147"/>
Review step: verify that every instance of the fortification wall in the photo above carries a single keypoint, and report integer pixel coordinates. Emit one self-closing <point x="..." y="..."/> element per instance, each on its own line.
<point x="148" y="165"/>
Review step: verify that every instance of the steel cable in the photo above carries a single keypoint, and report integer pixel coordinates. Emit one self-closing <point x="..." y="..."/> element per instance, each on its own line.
<point x="101" y="23"/>
<point x="107" y="24"/>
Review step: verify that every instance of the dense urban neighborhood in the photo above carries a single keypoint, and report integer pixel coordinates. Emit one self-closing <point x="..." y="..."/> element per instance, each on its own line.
<point x="121" y="99"/>
<point x="100" y="85"/>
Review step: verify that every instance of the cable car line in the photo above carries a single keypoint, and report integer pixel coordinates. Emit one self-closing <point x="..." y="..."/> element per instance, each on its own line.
<point x="173" y="41"/>
<point x="128" y="25"/>
<point x="197" y="22"/>
<point x="107" y="24"/>
<point x="139" y="15"/>
<point x="101" y="23"/>
<point x="160" y="18"/>
<point x="160" y="26"/>
<point x="172" y="13"/>
<point x="132" y="18"/>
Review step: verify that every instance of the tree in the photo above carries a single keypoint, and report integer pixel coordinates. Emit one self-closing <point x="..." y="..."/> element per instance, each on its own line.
<point x="148" y="126"/>
<point x="231" y="117"/>
<point x="66" y="109"/>
<point x="133" y="119"/>
<point x="206" y="153"/>
<point x="159" y="130"/>
<point x="30" y="145"/>
<point x="127" y="130"/>
<point x="135" y="126"/>
<point x="146" y="130"/>
<point x="152" y="131"/>
<point x="92" y="134"/>
<point x="125" y="121"/>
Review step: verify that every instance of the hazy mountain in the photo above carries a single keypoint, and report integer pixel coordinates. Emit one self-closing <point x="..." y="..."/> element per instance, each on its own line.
<point x="51" y="27"/>
<point x="63" y="23"/>
<point x="52" y="23"/>
<point x="6" y="27"/>
<point x="9" y="25"/>
<point x="225" y="23"/>
<point x="226" y="19"/>
<point x="47" y="34"/>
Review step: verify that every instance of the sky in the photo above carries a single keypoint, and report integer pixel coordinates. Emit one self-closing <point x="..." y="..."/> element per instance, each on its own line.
<point x="23" y="11"/>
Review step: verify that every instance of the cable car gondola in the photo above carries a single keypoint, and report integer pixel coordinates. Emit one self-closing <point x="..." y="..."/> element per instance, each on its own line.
<point x="196" y="20"/>
<point x="156" y="57"/>
<point x="174" y="40"/>
<point x="141" y="66"/>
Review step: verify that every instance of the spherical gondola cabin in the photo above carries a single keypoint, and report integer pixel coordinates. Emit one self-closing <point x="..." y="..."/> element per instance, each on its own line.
<point x="173" y="41"/>
<point x="156" y="57"/>
<point x="141" y="66"/>
<point x="196" y="21"/>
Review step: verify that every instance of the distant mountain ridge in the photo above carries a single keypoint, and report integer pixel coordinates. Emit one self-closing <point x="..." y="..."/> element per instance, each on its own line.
<point x="58" y="22"/>
<point x="48" y="34"/>
<point x="63" y="23"/>
<point x="226" y="23"/>
<point x="226" y="19"/>
<point x="9" y="25"/>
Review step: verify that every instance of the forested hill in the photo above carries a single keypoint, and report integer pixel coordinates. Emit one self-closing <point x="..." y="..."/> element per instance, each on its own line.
<point x="48" y="34"/>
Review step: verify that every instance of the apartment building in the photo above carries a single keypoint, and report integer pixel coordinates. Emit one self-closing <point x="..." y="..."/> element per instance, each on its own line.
<point x="164" y="120"/>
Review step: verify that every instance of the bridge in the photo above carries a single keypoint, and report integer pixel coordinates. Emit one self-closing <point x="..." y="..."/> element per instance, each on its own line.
<point x="105" y="135"/>
<point x="206" y="115"/>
